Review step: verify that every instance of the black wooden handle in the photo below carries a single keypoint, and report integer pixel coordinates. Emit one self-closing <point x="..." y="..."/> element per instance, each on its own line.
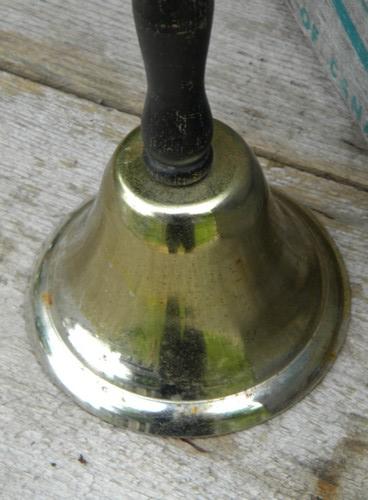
<point x="177" y="123"/>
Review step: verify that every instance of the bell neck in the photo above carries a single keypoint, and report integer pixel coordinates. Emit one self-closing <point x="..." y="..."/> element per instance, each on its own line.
<point x="177" y="124"/>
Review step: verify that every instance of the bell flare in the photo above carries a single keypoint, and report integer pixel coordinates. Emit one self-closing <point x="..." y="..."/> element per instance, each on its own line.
<point x="190" y="311"/>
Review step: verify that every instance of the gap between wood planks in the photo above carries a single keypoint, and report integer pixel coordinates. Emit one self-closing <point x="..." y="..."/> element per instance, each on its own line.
<point x="276" y="159"/>
<point x="280" y="161"/>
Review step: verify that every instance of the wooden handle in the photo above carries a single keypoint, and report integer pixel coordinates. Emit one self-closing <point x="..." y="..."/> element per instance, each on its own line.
<point x="177" y="123"/>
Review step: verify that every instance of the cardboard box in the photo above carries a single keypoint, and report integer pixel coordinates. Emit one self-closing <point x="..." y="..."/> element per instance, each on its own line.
<point x="338" y="31"/>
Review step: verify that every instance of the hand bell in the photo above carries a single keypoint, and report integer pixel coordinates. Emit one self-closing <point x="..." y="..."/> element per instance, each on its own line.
<point x="188" y="298"/>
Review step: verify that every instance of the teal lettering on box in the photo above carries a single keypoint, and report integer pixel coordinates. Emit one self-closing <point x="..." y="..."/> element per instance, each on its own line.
<point x="305" y="18"/>
<point x="352" y="32"/>
<point x="357" y="108"/>
<point x="308" y="25"/>
<point x="333" y="67"/>
<point x="364" y="5"/>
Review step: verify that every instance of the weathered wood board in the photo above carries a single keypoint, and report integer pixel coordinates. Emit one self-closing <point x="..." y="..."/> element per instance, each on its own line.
<point x="54" y="148"/>
<point x="263" y="78"/>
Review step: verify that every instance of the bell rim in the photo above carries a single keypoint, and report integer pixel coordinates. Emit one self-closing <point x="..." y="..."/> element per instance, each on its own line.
<point x="202" y="418"/>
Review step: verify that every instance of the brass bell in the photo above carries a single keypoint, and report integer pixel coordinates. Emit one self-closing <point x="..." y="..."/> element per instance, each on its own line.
<point x="187" y="299"/>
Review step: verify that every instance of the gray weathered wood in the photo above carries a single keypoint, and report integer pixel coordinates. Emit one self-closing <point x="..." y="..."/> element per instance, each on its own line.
<point x="263" y="78"/>
<point x="53" y="151"/>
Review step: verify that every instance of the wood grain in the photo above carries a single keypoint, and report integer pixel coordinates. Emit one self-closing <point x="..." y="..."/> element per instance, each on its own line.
<point x="263" y="77"/>
<point x="53" y="151"/>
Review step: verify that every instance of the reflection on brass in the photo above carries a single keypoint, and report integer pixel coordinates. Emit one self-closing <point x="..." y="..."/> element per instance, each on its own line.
<point x="189" y="311"/>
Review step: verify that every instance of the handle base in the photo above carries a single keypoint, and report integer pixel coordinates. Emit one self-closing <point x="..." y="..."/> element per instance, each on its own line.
<point x="174" y="175"/>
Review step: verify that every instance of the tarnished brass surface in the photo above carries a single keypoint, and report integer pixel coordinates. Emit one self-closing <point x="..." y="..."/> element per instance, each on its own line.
<point x="192" y="311"/>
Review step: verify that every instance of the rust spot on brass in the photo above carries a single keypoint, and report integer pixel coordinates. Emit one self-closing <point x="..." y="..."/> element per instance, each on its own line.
<point x="47" y="298"/>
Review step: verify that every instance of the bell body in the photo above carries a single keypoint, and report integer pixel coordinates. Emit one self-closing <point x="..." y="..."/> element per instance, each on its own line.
<point x="189" y="311"/>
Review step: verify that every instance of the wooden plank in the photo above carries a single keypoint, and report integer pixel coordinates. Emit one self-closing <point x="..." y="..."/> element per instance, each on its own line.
<point x="263" y="77"/>
<point x="53" y="151"/>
